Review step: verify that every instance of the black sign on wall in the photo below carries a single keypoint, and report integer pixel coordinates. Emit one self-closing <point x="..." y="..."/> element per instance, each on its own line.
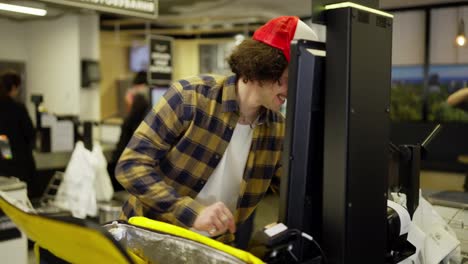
<point x="160" y="68"/>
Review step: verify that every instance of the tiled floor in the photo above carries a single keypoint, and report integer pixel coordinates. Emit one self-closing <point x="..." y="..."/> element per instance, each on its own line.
<point x="267" y="211"/>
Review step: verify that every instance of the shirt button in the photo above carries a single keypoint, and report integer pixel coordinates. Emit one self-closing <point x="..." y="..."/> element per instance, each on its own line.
<point x="200" y="184"/>
<point x="217" y="156"/>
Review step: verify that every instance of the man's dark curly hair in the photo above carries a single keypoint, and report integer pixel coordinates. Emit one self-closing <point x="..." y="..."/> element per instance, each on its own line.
<point x="256" y="61"/>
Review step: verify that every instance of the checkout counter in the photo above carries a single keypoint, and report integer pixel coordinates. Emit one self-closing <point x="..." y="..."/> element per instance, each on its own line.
<point x="49" y="162"/>
<point x="58" y="160"/>
<point x="13" y="243"/>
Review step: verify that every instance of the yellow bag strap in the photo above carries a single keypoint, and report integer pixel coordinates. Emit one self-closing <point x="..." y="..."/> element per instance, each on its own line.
<point x="73" y="240"/>
<point x="188" y="234"/>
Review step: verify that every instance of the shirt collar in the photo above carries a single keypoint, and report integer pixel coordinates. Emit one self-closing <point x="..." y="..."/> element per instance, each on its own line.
<point x="230" y="103"/>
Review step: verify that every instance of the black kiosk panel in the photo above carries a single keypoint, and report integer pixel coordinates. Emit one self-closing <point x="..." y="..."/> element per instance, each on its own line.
<point x="356" y="135"/>
<point x="301" y="184"/>
<point x="335" y="157"/>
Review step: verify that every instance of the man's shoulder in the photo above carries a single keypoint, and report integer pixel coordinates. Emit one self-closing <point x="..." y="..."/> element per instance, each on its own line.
<point x="207" y="85"/>
<point x="207" y="80"/>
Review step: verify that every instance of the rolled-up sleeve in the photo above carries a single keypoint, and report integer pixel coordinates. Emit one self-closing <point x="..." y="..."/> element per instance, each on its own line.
<point x="152" y="140"/>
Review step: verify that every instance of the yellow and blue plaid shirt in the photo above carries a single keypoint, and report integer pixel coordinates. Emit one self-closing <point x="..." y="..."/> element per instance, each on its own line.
<point x="181" y="141"/>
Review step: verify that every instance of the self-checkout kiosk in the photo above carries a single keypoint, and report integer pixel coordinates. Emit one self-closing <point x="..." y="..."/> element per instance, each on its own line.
<point x="336" y="152"/>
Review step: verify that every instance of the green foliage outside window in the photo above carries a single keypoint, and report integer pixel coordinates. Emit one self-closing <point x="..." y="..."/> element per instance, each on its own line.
<point x="439" y="110"/>
<point x="406" y="102"/>
<point x="408" y="94"/>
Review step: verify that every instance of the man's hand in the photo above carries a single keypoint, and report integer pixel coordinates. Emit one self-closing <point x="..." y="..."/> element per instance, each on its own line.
<point x="215" y="219"/>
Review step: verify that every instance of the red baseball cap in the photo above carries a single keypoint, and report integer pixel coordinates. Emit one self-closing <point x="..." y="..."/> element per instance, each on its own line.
<point x="278" y="33"/>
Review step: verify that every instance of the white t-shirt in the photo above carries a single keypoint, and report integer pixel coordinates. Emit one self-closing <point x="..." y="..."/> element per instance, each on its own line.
<point x="224" y="184"/>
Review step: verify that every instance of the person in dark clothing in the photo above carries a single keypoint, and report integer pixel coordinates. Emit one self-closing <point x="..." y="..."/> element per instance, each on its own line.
<point x="17" y="127"/>
<point x="139" y="86"/>
<point x="139" y="108"/>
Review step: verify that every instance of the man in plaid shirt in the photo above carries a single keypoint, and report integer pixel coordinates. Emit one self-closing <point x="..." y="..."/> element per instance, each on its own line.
<point x="205" y="155"/>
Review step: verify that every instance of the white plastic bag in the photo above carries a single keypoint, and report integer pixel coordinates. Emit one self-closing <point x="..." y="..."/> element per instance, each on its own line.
<point x="76" y="192"/>
<point x="102" y="183"/>
<point x="441" y="243"/>
<point x="417" y="238"/>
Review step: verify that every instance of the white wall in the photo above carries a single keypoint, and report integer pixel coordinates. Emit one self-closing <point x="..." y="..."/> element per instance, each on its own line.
<point x="89" y="49"/>
<point x="186" y="58"/>
<point x="463" y="51"/>
<point x="443" y="32"/>
<point x="51" y="50"/>
<point x="53" y="65"/>
<point x="408" y="38"/>
<point x="444" y="26"/>
<point x="12" y="44"/>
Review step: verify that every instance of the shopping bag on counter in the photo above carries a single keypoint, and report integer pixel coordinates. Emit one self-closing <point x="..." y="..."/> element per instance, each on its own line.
<point x="76" y="193"/>
<point x="153" y="241"/>
<point x="440" y="244"/>
<point x="102" y="183"/>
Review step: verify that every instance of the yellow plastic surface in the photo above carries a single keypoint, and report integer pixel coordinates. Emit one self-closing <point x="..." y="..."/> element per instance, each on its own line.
<point x="80" y="244"/>
<point x="188" y="234"/>
<point x="68" y="241"/>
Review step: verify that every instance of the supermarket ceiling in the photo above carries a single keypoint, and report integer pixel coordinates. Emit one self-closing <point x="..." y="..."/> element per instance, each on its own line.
<point x="203" y="15"/>
<point x="177" y="17"/>
<point x="205" y="12"/>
